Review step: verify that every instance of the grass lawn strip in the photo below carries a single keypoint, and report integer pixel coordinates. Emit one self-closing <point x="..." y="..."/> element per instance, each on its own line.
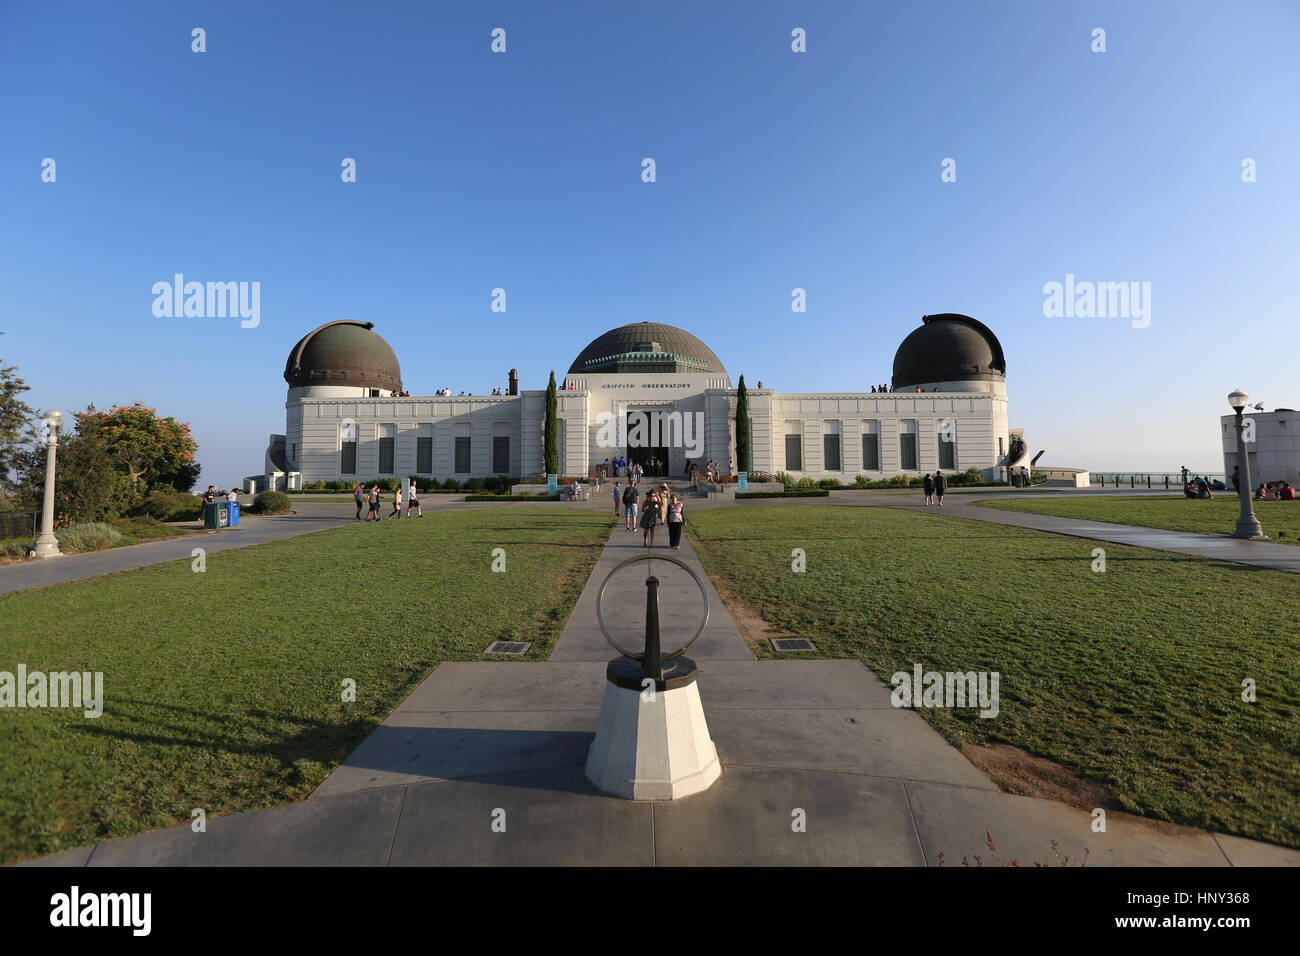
<point x="224" y="688"/>
<point x="1132" y="676"/>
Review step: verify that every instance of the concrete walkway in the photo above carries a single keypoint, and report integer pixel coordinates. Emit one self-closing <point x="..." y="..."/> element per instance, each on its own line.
<point x="252" y="530"/>
<point x="1260" y="554"/>
<point x="680" y="606"/>
<point x="483" y="765"/>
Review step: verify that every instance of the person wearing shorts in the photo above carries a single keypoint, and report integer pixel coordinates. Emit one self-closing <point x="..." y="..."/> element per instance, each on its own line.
<point x="414" y="502"/>
<point x="359" y="494"/>
<point x="374" y="504"/>
<point x="629" y="507"/>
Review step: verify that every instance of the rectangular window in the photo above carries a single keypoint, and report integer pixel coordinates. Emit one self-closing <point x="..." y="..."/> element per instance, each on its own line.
<point x="424" y="456"/>
<point x="386" y="455"/>
<point x="794" y="452"/>
<point x="947" y="454"/>
<point x="870" y="452"/>
<point x="348" y="466"/>
<point x="831" y="451"/>
<point x="462" y="456"/>
<point x="501" y="454"/>
<point x="907" y="452"/>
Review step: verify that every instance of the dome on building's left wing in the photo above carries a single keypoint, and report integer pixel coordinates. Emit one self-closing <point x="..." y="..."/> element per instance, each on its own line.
<point x="343" y="353"/>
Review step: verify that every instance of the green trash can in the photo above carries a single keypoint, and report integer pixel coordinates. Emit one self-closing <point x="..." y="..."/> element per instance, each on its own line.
<point x="216" y="514"/>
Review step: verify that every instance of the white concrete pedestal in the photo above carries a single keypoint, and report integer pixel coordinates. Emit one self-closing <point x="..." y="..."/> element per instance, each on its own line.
<point x="655" y="749"/>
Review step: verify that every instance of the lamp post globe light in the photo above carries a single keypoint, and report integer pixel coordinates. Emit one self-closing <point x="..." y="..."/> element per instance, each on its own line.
<point x="1247" y="523"/>
<point x="47" y="545"/>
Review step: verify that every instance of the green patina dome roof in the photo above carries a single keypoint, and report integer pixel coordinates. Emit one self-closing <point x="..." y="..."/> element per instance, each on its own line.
<point x="343" y="353"/>
<point x="646" y="347"/>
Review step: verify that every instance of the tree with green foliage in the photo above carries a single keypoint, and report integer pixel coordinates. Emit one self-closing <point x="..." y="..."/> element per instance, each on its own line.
<point x="742" y="428"/>
<point x="550" y="431"/>
<point x="109" y="464"/>
<point x="154" y="451"/>
<point x="15" y="417"/>
<point x="88" y="485"/>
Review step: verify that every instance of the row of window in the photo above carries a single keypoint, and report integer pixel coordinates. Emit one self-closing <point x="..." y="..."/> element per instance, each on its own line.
<point x="424" y="456"/>
<point x="870" y="453"/>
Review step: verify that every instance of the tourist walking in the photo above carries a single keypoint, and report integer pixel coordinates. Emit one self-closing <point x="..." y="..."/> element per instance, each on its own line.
<point x="675" y="522"/>
<point x="929" y="488"/>
<point x="618" y="499"/>
<point x="359" y="493"/>
<point x="629" y="506"/>
<point x="940" y="486"/>
<point x="397" y="502"/>
<point x="414" y="502"/>
<point x="663" y="502"/>
<point x="374" y="504"/>
<point x="650" y="518"/>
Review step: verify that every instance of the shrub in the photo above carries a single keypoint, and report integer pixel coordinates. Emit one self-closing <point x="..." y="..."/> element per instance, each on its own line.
<point x="899" y="481"/>
<point x="784" y="478"/>
<point x="805" y="483"/>
<point x="314" y="486"/>
<point x="94" y="536"/>
<point x="474" y="484"/>
<point x="971" y="476"/>
<point x="271" y="503"/>
<point x="451" y="484"/>
<point x="16" y="547"/>
<point x="829" y="483"/>
<point x="171" y="506"/>
<point x="862" y="481"/>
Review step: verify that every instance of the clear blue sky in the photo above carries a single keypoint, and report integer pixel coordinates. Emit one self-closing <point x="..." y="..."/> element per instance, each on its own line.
<point x="775" y="170"/>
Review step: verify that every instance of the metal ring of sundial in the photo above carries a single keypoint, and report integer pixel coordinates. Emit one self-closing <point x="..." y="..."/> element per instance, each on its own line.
<point x="600" y="597"/>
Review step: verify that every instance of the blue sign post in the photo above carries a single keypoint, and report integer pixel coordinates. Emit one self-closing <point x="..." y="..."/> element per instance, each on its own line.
<point x="552" y="485"/>
<point x="742" y="481"/>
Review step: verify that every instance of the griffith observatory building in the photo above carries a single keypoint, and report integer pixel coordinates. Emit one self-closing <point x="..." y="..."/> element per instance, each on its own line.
<point x="347" y="416"/>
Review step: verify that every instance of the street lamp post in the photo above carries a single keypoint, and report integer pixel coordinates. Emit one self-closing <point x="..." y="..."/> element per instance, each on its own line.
<point x="47" y="545"/>
<point x="1247" y="523"/>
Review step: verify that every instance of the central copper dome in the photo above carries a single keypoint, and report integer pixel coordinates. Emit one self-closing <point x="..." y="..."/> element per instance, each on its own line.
<point x="646" y="347"/>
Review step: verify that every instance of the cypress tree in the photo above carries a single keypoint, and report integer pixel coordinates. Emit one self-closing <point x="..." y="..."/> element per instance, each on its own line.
<point x="742" y="428"/>
<point x="550" y="432"/>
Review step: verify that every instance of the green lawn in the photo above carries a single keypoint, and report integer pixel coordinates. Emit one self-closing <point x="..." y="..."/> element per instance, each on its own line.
<point x="1132" y="676"/>
<point x="1213" y="516"/>
<point x="223" y="689"/>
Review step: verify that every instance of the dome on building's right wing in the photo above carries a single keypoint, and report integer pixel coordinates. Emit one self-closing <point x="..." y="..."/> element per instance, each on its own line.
<point x="949" y="348"/>
<point x="343" y="353"/>
<point x="646" y="347"/>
